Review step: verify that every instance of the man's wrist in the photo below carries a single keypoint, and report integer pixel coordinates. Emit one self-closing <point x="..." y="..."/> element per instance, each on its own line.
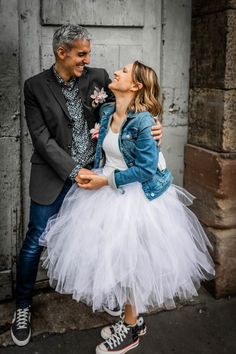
<point x="75" y="172"/>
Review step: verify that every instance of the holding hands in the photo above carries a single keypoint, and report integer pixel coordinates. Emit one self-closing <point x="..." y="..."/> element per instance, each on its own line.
<point x="87" y="179"/>
<point x="83" y="171"/>
<point x="92" y="181"/>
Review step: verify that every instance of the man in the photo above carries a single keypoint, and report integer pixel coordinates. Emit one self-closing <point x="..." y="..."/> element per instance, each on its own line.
<point x="60" y="109"/>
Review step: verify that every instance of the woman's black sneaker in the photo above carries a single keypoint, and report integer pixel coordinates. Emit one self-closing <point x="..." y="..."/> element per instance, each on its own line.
<point x="108" y="331"/>
<point x="116" y="311"/>
<point x="114" y="308"/>
<point x="21" y="328"/>
<point x="123" y="340"/>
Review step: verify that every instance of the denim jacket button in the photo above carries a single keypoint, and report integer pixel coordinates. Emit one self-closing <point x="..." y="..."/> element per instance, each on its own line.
<point x="152" y="194"/>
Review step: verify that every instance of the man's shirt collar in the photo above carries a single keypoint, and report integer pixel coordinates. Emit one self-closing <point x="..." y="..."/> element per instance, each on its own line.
<point x="66" y="84"/>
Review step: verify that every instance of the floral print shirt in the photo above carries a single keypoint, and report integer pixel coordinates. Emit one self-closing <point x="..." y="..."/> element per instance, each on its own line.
<point x="83" y="147"/>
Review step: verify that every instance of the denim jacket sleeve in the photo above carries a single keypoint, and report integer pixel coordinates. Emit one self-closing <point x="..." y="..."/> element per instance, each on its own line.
<point x="146" y="159"/>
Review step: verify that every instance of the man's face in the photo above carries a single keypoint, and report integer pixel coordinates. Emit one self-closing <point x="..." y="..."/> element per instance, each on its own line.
<point x="73" y="60"/>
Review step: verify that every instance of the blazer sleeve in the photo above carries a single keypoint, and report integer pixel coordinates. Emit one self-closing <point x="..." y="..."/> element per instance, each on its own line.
<point x="45" y="145"/>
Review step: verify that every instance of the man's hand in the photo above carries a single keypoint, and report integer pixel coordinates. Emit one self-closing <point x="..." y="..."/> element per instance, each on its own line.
<point x="157" y="131"/>
<point x="83" y="171"/>
<point x="94" y="181"/>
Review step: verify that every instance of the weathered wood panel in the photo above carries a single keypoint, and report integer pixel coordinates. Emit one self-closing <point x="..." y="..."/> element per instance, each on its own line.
<point x="130" y="53"/>
<point x="10" y="180"/>
<point x="93" y="12"/>
<point x="30" y="47"/>
<point x="175" y="61"/>
<point x="106" y="53"/>
<point x="10" y="200"/>
<point x="154" y="31"/>
<point x="30" y="44"/>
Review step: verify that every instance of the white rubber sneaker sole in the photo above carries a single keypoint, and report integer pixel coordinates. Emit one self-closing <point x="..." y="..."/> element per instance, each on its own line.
<point x="21" y="343"/>
<point x="141" y="333"/>
<point x="122" y="351"/>
<point x="111" y="312"/>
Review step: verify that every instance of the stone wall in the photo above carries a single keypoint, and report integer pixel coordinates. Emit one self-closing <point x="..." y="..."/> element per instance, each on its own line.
<point x="210" y="155"/>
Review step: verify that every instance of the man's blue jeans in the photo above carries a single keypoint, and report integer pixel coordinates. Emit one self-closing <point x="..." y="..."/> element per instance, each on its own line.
<point x="31" y="250"/>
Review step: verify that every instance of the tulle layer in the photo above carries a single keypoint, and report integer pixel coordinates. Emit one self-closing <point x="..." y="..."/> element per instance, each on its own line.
<point x="104" y="244"/>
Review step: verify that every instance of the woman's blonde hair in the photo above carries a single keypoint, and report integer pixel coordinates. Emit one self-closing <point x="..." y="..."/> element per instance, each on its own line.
<point x="146" y="98"/>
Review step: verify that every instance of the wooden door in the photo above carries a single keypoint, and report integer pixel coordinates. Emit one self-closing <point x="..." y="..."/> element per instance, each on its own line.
<point x="156" y="32"/>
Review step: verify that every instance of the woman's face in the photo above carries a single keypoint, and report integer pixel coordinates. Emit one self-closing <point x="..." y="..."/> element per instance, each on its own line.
<point x="122" y="79"/>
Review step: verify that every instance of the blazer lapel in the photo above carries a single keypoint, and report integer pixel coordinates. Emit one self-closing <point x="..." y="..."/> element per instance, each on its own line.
<point x="83" y="90"/>
<point x="57" y="92"/>
<point x="83" y="85"/>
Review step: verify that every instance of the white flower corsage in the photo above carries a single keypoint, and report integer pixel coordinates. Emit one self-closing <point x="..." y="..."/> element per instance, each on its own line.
<point x="99" y="96"/>
<point x="95" y="131"/>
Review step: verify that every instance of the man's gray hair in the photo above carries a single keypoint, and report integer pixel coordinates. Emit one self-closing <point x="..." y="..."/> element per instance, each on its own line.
<point x="66" y="34"/>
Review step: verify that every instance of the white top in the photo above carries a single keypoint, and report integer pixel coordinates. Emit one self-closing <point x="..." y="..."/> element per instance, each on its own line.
<point x="114" y="158"/>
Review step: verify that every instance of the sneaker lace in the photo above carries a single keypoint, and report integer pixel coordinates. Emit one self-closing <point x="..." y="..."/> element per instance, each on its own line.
<point x="117" y="325"/>
<point x="118" y="336"/>
<point x="22" y="318"/>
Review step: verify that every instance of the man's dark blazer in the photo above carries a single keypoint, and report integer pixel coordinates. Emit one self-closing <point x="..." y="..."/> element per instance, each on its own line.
<point x="50" y="128"/>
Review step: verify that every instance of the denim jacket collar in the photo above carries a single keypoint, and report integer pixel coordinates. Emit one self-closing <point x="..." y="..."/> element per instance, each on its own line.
<point x="110" y="109"/>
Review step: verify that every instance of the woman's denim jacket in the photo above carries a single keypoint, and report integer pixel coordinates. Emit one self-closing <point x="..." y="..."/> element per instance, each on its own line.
<point x="139" y="151"/>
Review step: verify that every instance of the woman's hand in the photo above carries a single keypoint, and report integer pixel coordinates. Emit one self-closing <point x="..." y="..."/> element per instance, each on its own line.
<point x="93" y="181"/>
<point x="83" y="171"/>
<point x="157" y="131"/>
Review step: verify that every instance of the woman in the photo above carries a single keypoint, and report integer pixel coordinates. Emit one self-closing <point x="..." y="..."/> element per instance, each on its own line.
<point x="127" y="231"/>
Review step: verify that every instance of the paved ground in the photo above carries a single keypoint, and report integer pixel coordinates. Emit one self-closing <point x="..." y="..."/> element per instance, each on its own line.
<point x="207" y="326"/>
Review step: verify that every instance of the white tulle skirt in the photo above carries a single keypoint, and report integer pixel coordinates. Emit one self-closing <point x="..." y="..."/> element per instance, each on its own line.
<point x="104" y="244"/>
